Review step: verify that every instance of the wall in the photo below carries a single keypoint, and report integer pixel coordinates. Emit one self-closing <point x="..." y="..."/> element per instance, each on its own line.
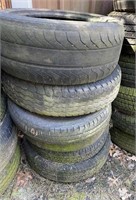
<point x="22" y="3"/>
<point x="94" y="6"/>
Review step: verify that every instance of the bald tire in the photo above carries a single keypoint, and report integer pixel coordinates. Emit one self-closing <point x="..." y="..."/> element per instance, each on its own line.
<point x="63" y="101"/>
<point x="67" y="173"/>
<point x="123" y="122"/>
<point x="123" y="140"/>
<point x="79" y="49"/>
<point x="8" y="173"/>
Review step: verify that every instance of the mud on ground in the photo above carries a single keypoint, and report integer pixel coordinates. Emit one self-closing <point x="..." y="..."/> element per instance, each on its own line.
<point x="115" y="181"/>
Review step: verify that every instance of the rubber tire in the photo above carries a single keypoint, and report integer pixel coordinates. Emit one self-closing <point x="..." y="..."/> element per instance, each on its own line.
<point x="2" y="106"/>
<point x="8" y="141"/>
<point x="8" y="173"/>
<point x="128" y="74"/>
<point x="129" y="46"/>
<point x="123" y="140"/>
<point x="61" y="134"/>
<point x="126" y="100"/>
<point x="127" y="18"/>
<point x="59" y="52"/>
<point x="63" y="101"/>
<point x="73" y="156"/>
<point x="127" y="59"/>
<point x="67" y="173"/>
<point x="124" y="5"/>
<point x="124" y="123"/>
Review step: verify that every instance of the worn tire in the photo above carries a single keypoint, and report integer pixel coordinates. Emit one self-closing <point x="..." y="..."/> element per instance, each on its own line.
<point x="123" y="140"/>
<point x="126" y="100"/>
<point x="8" y="173"/>
<point x="59" y="52"/>
<point x="124" y="123"/>
<point x="73" y="156"/>
<point x="61" y="134"/>
<point x="2" y="106"/>
<point x="127" y="18"/>
<point x="63" y="100"/>
<point x="124" y="5"/>
<point x="67" y="173"/>
<point x="8" y="141"/>
<point x="128" y="74"/>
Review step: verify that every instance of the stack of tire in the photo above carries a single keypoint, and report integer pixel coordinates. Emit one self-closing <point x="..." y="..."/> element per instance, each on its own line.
<point x="9" y="150"/>
<point x="124" y="121"/>
<point x="61" y="74"/>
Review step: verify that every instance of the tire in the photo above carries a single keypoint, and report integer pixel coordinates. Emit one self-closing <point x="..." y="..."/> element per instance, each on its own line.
<point x="127" y="18"/>
<point x="8" y="141"/>
<point x="63" y="101"/>
<point x="67" y="173"/>
<point x="2" y="106"/>
<point x="124" y="5"/>
<point x="129" y="46"/>
<point x="59" y="52"/>
<point x="127" y="59"/>
<point x="61" y="134"/>
<point x="128" y="74"/>
<point x="8" y="173"/>
<point x="126" y="100"/>
<point x="123" y="140"/>
<point x="73" y="156"/>
<point x="124" y="123"/>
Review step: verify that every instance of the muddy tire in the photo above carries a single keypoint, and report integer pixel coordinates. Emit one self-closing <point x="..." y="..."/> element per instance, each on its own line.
<point x="8" y="173"/>
<point x="123" y="140"/>
<point x="124" y="123"/>
<point x="63" y="101"/>
<point x="61" y="134"/>
<point x="67" y="173"/>
<point x="73" y="156"/>
<point x="59" y="52"/>
<point x="126" y="100"/>
<point x="124" y="5"/>
<point x="9" y="155"/>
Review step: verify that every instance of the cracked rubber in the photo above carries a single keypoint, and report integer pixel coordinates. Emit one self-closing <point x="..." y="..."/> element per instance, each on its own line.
<point x="8" y="173"/>
<point x="59" y="52"/>
<point x="123" y="140"/>
<point x="124" y="5"/>
<point x="126" y="100"/>
<point x="63" y="101"/>
<point x="67" y="173"/>
<point x="123" y="122"/>
<point x="61" y="134"/>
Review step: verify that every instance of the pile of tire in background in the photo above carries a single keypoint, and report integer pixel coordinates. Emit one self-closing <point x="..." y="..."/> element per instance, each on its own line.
<point x="9" y="150"/>
<point x="61" y="76"/>
<point x="124" y="120"/>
